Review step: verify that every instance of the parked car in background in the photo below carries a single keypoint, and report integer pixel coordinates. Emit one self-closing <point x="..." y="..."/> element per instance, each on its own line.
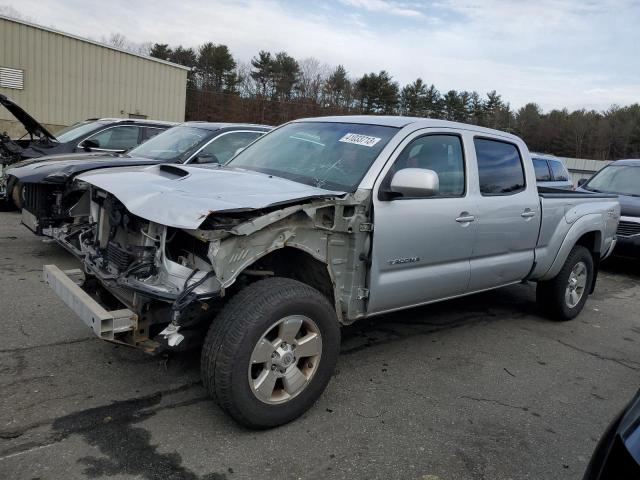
<point x="551" y="172"/>
<point x="622" y="178"/>
<point x="318" y="224"/>
<point x="48" y="191"/>
<point x="617" y="455"/>
<point x="97" y="135"/>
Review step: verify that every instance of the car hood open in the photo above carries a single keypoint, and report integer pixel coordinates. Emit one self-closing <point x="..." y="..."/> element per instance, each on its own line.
<point x="183" y="197"/>
<point x="30" y="124"/>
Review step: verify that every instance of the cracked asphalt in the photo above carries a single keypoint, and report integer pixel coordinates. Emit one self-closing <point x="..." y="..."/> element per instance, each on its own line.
<point x="476" y="388"/>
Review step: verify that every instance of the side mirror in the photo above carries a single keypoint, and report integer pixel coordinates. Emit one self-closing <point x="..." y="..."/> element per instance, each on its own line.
<point x="206" y="158"/>
<point x="88" y="144"/>
<point x="415" y="182"/>
<point x="582" y="181"/>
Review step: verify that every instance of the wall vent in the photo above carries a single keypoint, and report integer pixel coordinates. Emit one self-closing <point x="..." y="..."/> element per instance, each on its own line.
<point x="11" y="78"/>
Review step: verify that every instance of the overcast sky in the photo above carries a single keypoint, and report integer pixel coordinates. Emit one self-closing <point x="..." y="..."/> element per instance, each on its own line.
<point x="573" y="53"/>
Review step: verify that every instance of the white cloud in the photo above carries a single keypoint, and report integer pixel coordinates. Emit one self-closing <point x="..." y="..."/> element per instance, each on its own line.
<point x="384" y="6"/>
<point x="559" y="53"/>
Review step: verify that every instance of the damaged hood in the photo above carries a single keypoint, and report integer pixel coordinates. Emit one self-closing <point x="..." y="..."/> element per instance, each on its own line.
<point x="30" y="124"/>
<point x="69" y="165"/>
<point x="183" y="196"/>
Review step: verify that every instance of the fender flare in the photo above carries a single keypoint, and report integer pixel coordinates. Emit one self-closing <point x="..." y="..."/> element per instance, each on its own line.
<point x="591" y="223"/>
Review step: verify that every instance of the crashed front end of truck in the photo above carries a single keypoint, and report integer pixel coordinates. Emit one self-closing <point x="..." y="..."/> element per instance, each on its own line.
<point x="158" y="285"/>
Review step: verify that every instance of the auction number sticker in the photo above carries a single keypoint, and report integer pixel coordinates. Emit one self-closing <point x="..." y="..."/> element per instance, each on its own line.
<point x="357" y="139"/>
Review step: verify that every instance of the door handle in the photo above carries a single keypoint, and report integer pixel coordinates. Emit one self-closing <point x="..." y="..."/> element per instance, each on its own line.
<point x="465" y="218"/>
<point x="528" y="213"/>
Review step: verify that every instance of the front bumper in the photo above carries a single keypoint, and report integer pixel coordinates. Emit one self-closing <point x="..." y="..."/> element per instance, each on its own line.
<point x="628" y="236"/>
<point x="107" y="325"/>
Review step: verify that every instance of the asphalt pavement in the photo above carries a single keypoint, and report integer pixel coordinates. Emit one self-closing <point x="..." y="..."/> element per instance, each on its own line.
<point x="481" y="387"/>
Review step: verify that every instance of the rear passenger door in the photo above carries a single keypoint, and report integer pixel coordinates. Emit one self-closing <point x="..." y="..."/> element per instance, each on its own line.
<point x="508" y="218"/>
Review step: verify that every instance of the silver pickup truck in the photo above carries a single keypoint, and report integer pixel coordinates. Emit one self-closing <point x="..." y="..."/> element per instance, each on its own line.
<point x="318" y="224"/>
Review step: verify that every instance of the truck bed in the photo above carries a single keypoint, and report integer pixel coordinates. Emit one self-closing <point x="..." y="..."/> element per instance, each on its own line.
<point x="565" y="216"/>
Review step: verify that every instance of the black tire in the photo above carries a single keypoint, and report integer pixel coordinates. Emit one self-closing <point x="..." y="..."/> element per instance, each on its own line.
<point x="236" y="330"/>
<point x="550" y="294"/>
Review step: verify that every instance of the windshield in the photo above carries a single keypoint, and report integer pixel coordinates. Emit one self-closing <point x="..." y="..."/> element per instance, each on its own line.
<point x="77" y="130"/>
<point x="621" y="179"/>
<point x="333" y="156"/>
<point x="177" y="143"/>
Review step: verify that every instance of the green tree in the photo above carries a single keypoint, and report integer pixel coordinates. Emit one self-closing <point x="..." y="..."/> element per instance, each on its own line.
<point x="377" y="93"/>
<point x="433" y="103"/>
<point x="451" y="105"/>
<point x="476" y="109"/>
<point x="284" y="75"/>
<point x="261" y="71"/>
<point x="161" y="51"/>
<point x="188" y="58"/>
<point x="337" y="87"/>
<point x="216" y="68"/>
<point x="527" y="125"/>
<point x="412" y="98"/>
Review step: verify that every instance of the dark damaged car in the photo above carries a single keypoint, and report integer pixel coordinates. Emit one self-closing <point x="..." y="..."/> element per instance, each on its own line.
<point x="621" y="178"/>
<point x="49" y="193"/>
<point x="98" y="136"/>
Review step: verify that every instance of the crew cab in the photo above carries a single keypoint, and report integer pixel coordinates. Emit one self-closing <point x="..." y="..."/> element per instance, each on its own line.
<point x="318" y="224"/>
<point x="47" y="185"/>
<point x="97" y="135"/>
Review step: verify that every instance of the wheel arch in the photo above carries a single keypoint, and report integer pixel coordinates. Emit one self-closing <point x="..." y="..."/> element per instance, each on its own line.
<point x="587" y="231"/>
<point x="298" y="263"/>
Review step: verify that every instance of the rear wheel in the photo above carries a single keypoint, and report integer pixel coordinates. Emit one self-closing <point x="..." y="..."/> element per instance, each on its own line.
<point x="564" y="296"/>
<point x="271" y="352"/>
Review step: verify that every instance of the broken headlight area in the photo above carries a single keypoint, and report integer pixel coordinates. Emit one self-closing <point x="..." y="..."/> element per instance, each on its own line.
<point x="160" y="273"/>
<point x="50" y="205"/>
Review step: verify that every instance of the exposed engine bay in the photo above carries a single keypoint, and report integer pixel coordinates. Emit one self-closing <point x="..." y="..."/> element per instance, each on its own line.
<point x="10" y="151"/>
<point x="175" y="280"/>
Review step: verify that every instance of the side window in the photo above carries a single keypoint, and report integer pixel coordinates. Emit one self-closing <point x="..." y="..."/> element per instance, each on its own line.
<point x="150" y="132"/>
<point x="225" y="146"/>
<point x="542" y="170"/>
<point x="499" y="167"/>
<point x="440" y="153"/>
<point x="117" y="138"/>
<point x="559" y="172"/>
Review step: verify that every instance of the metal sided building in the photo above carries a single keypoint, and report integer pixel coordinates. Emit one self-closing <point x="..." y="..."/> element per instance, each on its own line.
<point x="60" y="79"/>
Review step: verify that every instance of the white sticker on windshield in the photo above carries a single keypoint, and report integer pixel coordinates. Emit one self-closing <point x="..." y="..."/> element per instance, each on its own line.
<point x="357" y="139"/>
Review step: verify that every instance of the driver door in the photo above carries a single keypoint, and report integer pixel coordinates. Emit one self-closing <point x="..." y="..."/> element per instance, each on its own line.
<point x="422" y="246"/>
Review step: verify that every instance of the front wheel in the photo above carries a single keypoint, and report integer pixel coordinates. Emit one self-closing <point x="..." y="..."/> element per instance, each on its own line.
<point x="271" y="352"/>
<point x="564" y="296"/>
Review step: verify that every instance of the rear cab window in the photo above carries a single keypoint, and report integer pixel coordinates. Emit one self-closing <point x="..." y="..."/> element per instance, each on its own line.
<point x="500" y="167"/>
<point x="542" y="170"/>
<point x="560" y="173"/>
